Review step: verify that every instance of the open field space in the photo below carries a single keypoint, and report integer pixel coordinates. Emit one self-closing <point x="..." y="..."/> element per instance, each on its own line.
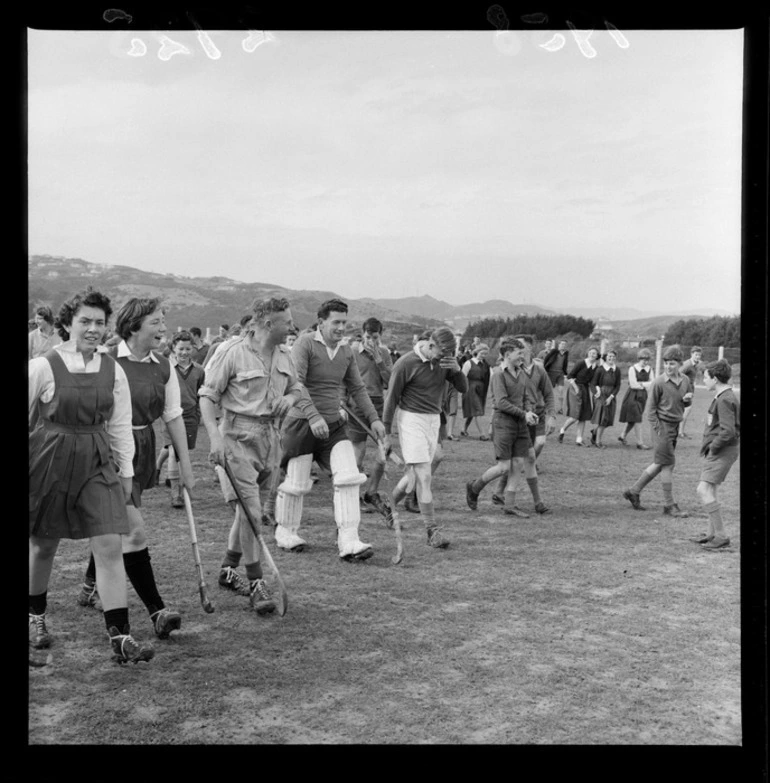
<point x="594" y="625"/>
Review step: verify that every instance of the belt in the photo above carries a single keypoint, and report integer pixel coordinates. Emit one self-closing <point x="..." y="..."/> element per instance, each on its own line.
<point x="248" y="418"/>
<point x="74" y="429"/>
<point x="139" y="427"/>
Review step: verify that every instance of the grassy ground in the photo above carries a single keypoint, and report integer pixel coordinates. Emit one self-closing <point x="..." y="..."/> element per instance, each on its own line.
<point x="594" y="625"/>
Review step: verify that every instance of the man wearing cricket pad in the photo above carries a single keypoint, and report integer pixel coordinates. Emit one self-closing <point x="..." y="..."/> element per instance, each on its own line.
<point x="253" y="379"/>
<point x="417" y="389"/>
<point x="315" y="429"/>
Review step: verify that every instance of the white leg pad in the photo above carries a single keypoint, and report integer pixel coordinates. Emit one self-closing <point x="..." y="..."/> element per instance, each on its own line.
<point x="347" y="508"/>
<point x="288" y="504"/>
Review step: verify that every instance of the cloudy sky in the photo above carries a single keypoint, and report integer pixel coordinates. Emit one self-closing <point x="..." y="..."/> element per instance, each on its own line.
<point x="464" y="165"/>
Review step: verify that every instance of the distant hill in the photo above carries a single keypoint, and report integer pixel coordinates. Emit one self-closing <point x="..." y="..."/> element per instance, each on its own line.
<point x="459" y="316"/>
<point x="201" y="301"/>
<point x="620" y="314"/>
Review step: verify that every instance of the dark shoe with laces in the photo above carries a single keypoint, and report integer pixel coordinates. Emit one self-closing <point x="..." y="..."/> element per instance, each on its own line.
<point x="436" y="539"/>
<point x="261" y="601"/>
<point x="515" y="511"/>
<point x="39" y="638"/>
<point x="230" y="579"/>
<point x="125" y="649"/>
<point x="541" y="508"/>
<point x="497" y="500"/>
<point x="164" y="621"/>
<point x="633" y="499"/>
<point x="674" y="511"/>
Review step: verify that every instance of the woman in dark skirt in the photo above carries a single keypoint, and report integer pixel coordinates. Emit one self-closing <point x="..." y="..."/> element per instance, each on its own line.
<point x="477" y="371"/>
<point x="640" y="378"/>
<point x="579" y="396"/>
<point x="80" y="429"/>
<point x="606" y="385"/>
<point x="155" y="393"/>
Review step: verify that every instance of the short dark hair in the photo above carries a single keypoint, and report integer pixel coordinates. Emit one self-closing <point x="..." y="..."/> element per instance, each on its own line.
<point x="226" y="327"/>
<point x="181" y="337"/>
<point x="673" y="354"/>
<point x="45" y="312"/>
<point x="134" y="311"/>
<point x="88" y="298"/>
<point x="719" y="369"/>
<point x="445" y="338"/>
<point x="696" y="348"/>
<point x="261" y="308"/>
<point x="529" y="339"/>
<point x="331" y="306"/>
<point x="195" y="331"/>
<point x="511" y="344"/>
<point x="372" y="325"/>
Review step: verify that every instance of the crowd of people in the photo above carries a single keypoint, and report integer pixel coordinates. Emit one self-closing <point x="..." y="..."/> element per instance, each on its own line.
<point x="279" y="405"/>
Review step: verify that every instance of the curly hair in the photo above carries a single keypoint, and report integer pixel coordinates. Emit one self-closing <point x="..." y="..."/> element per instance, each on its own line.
<point x="262" y="308"/>
<point x="45" y="313"/>
<point x="88" y="298"/>
<point x="134" y="311"/>
<point x="331" y="306"/>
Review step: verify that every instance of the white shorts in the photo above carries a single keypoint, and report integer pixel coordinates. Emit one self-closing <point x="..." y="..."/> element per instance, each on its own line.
<point x="418" y="435"/>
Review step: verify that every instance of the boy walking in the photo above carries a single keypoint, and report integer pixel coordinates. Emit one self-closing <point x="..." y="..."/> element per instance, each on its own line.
<point x="417" y="389"/>
<point x="719" y="449"/>
<point x="670" y="394"/>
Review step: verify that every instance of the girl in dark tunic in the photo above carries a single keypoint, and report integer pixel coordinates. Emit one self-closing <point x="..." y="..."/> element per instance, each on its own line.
<point x="80" y="428"/>
<point x="477" y="372"/>
<point x="606" y="385"/>
<point x="579" y="397"/>
<point x="155" y="393"/>
<point x="640" y="378"/>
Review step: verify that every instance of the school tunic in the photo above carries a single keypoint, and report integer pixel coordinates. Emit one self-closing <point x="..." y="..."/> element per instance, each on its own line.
<point x="150" y="381"/>
<point x="74" y="489"/>
<point x="475" y="399"/>
<point x="580" y="405"/>
<point x="607" y="379"/>
<point x="632" y="407"/>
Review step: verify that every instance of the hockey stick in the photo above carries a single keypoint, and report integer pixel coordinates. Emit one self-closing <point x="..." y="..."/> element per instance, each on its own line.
<point x="283" y="598"/>
<point x="202" y="589"/>
<point x="368" y="430"/>
<point x="399" y="556"/>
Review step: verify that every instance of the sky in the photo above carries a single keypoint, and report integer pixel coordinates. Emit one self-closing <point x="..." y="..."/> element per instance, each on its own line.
<point x="464" y="165"/>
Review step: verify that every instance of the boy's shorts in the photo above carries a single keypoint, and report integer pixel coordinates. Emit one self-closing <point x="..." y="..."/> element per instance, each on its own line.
<point x="418" y="435"/>
<point x="356" y="433"/>
<point x="510" y="436"/>
<point x="297" y="439"/>
<point x="716" y="467"/>
<point x="536" y="430"/>
<point x="665" y="443"/>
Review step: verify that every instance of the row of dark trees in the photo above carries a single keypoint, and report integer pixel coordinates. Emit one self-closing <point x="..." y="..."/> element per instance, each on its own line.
<point x="715" y="331"/>
<point x="544" y="327"/>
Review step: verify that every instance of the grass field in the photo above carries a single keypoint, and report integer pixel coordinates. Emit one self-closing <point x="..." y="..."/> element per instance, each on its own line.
<point x="594" y="625"/>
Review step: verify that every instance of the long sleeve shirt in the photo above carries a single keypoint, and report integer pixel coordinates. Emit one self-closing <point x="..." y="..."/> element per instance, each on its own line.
<point x="666" y="399"/>
<point x="41" y="388"/>
<point x="238" y="379"/>
<point x="723" y="422"/>
<point x="542" y="389"/>
<point x="375" y="374"/>
<point x="582" y="372"/>
<point x="173" y="404"/>
<point x="556" y="363"/>
<point x="38" y="343"/>
<point x="328" y="375"/>
<point x="633" y="383"/>
<point x="512" y="392"/>
<point x="417" y="385"/>
<point x="607" y="377"/>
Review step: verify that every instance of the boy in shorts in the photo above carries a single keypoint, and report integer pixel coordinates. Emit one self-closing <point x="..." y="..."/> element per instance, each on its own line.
<point x="417" y="390"/>
<point x="719" y="449"/>
<point x="514" y="413"/>
<point x="670" y="394"/>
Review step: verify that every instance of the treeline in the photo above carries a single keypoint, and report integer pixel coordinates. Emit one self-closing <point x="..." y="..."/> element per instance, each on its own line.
<point x="715" y="331"/>
<point x="543" y="327"/>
